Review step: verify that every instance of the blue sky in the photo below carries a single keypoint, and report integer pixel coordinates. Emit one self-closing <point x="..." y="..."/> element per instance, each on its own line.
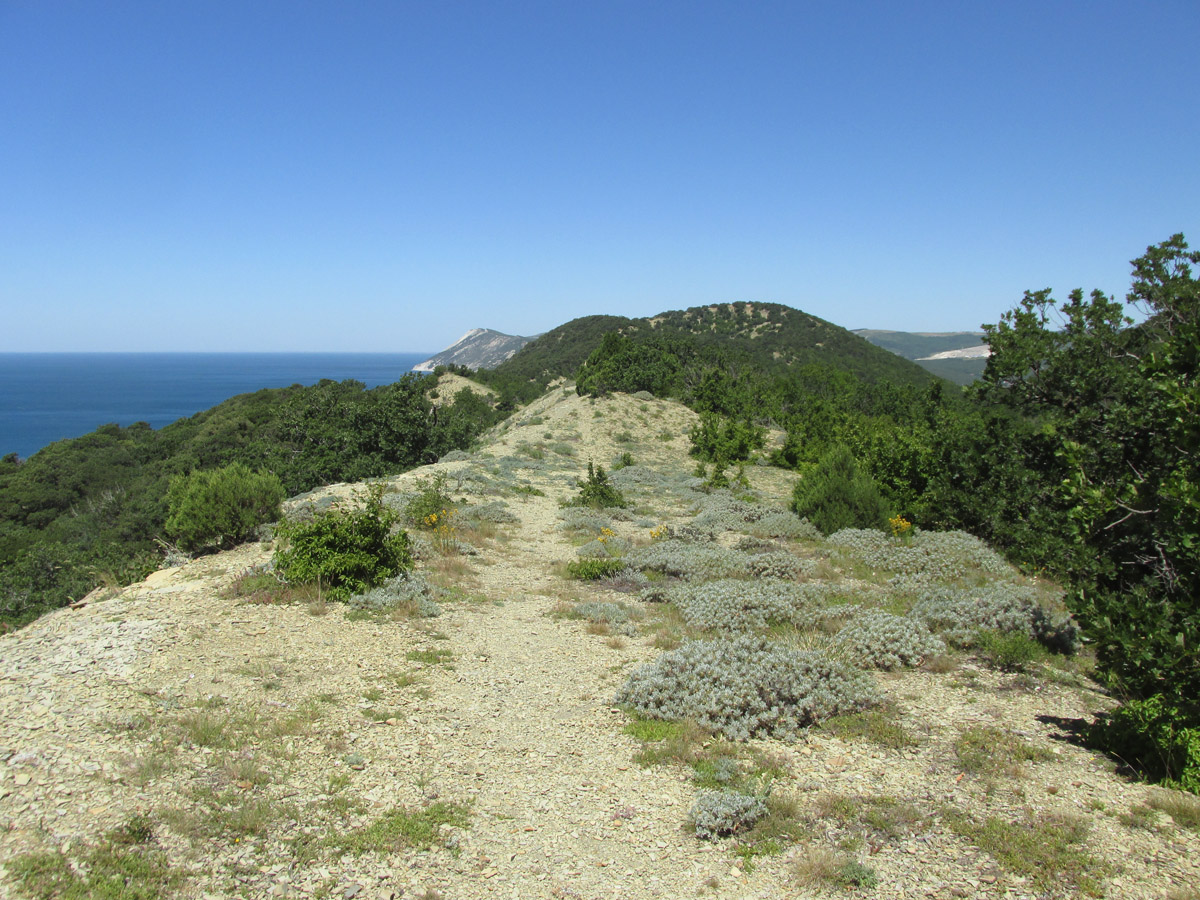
<point x="382" y="176"/>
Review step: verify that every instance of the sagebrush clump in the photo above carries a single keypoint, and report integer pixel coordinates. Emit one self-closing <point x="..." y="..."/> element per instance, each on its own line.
<point x="410" y="591"/>
<point x="959" y="614"/>
<point x="730" y="604"/>
<point x="745" y="687"/>
<point x="695" y="562"/>
<point x="718" y="814"/>
<point x="880" y="640"/>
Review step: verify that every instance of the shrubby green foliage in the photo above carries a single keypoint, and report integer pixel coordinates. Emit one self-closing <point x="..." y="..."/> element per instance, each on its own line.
<point x="723" y="442"/>
<point x="92" y="506"/>
<point x="221" y="507"/>
<point x="593" y="569"/>
<point x="1156" y="736"/>
<point x="838" y="495"/>
<point x="345" y="551"/>
<point x="597" y="492"/>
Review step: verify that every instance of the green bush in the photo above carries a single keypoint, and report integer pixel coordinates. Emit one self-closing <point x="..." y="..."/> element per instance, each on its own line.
<point x="594" y="569"/>
<point x="1154" y="736"/>
<point x="597" y="493"/>
<point x="725" y="441"/>
<point x="345" y="551"/>
<point x="431" y="501"/>
<point x="221" y="507"/>
<point x="838" y="495"/>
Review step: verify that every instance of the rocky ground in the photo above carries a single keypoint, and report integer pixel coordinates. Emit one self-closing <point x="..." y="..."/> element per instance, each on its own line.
<point x="253" y="750"/>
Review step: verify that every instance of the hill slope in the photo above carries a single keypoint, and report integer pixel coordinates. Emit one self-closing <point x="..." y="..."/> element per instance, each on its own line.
<point x="296" y="750"/>
<point x="771" y="336"/>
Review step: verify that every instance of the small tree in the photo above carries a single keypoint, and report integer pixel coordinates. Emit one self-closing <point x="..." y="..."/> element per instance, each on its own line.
<point x="221" y="507"/>
<point x="597" y="492"/>
<point x="838" y="495"/>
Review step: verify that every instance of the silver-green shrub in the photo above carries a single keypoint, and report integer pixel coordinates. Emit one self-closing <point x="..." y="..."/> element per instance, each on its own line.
<point x="695" y="562"/>
<point x="880" y="640"/>
<point x="745" y="686"/>
<point x="780" y="564"/>
<point x="581" y="520"/>
<point x="881" y="551"/>
<point x="495" y="511"/>
<point x="617" y="616"/>
<point x="718" y="814"/>
<point x="783" y="524"/>
<point x="411" y="590"/>
<point x="959" y="614"/>
<point x="729" y="604"/>
<point x="721" y="511"/>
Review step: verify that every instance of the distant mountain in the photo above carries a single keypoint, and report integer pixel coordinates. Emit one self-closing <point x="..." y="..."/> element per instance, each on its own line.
<point x="958" y="356"/>
<point x="775" y="336"/>
<point x="479" y="348"/>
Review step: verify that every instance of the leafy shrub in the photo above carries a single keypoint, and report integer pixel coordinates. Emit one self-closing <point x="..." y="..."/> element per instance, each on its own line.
<point x="723" y="442"/>
<point x="1011" y="651"/>
<point x="1155" y="736"/>
<point x="744" y="687"/>
<point x="431" y="500"/>
<point x="221" y="507"/>
<point x="881" y="640"/>
<point x="836" y="495"/>
<point x="718" y="814"/>
<point x="344" y="551"/>
<point x="593" y="569"/>
<point x="597" y="493"/>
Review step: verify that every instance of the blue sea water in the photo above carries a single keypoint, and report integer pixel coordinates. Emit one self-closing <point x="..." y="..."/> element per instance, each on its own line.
<point x="45" y="397"/>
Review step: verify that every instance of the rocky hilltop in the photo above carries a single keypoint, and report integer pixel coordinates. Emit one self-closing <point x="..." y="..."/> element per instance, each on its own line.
<point x="184" y="738"/>
<point x="479" y="348"/>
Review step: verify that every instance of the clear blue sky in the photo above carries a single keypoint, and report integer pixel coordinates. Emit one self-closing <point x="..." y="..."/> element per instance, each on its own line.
<point x="385" y="175"/>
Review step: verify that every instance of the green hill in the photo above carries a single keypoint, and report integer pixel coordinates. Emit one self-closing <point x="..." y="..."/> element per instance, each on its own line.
<point x="770" y="336"/>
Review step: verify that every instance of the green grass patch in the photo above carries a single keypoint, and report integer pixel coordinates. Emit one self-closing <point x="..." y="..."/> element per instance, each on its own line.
<point x="1047" y="850"/>
<point x="401" y="828"/>
<point x="125" y="865"/>
<point x="435" y="657"/>
<point x="879" y="726"/>
<point x="990" y="751"/>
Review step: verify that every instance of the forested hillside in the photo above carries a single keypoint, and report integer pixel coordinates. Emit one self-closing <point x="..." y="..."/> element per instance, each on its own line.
<point x="92" y="509"/>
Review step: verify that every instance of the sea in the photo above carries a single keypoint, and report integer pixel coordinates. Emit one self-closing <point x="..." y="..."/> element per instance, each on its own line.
<point x="45" y="397"/>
